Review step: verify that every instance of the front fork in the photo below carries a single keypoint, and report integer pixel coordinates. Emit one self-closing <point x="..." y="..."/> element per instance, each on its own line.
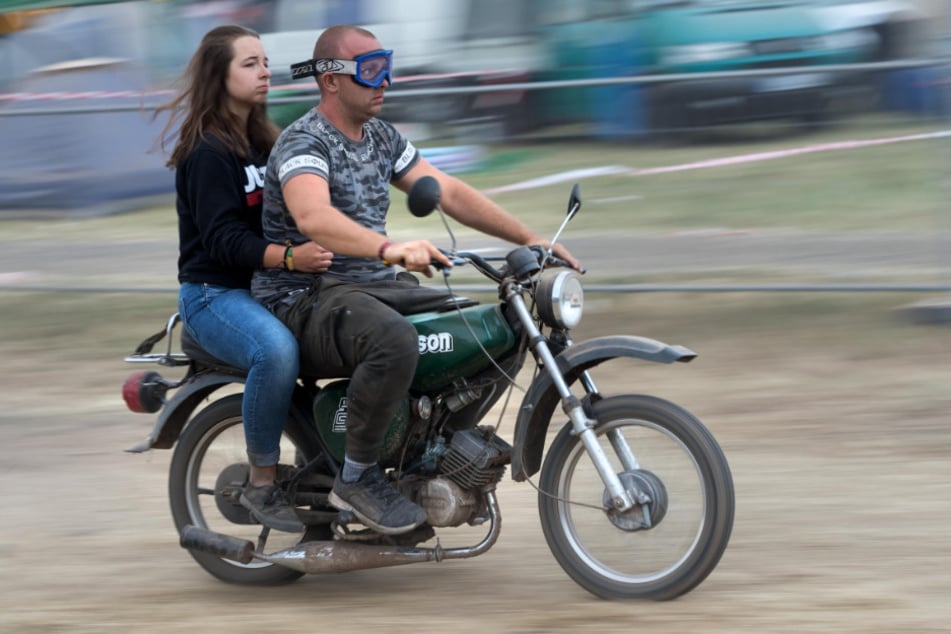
<point x="582" y="426"/>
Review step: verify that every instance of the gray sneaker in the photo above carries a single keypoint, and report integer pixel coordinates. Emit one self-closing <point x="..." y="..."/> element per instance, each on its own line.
<point x="269" y="506"/>
<point x="376" y="503"/>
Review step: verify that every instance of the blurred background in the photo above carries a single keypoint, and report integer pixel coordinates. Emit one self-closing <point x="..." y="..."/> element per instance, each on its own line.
<point x="77" y="78"/>
<point x="765" y="182"/>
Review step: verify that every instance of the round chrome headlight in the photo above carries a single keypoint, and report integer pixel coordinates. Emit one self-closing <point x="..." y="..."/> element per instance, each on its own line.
<point x="560" y="298"/>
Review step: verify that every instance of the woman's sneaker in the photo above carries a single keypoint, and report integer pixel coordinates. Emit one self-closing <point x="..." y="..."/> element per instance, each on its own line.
<point x="269" y="506"/>
<point x="376" y="503"/>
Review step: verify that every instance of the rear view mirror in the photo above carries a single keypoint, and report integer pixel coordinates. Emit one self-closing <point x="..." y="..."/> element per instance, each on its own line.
<point x="574" y="201"/>
<point x="423" y="196"/>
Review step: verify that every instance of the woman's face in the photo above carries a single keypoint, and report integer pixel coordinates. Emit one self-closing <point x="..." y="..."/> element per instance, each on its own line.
<point x="248" y="74"/>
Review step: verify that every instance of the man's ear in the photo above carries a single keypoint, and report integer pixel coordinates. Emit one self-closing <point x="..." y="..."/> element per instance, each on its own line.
<point x="328" y="82"/>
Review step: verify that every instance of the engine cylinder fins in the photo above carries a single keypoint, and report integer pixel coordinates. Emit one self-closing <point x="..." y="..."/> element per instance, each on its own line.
<point x="476" y="458"/>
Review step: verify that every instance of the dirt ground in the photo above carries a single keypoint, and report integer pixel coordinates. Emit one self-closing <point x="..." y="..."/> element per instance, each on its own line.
<point x="834" y="416"/>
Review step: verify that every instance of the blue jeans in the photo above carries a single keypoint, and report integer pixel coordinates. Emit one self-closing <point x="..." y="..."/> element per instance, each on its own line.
<point x="231" y="325"/>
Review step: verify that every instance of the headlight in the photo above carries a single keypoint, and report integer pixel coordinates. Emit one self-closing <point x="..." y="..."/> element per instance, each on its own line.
<point x="560" y="299"/>
<point x="708" y="52"/>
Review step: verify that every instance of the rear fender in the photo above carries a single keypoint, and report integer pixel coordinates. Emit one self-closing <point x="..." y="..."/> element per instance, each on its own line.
<point x="540" y="400"/>
<point x="179" y="408"/>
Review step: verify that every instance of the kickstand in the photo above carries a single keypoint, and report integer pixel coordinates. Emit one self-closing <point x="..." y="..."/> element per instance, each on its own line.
<point x="262" y="538"/>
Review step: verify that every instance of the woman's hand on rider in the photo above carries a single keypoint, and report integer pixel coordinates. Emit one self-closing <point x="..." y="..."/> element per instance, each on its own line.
<point x="310" y="257"/>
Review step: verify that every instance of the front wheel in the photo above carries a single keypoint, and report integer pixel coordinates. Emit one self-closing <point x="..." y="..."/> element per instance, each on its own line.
<point x="679" y="527"/>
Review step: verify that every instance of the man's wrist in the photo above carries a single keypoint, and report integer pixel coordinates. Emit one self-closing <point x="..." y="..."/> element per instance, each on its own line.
<point x="383" y="247"/>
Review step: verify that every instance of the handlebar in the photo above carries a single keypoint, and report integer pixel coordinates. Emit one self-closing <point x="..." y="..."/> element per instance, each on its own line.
<point x="484" y="265"/>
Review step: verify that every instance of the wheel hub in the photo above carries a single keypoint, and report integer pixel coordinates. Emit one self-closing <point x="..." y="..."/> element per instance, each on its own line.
<point x="228" y="489"/>
<point x="650" y="501"/>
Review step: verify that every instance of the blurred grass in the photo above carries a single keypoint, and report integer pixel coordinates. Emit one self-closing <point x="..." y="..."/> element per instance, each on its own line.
<point x="91" y="327"/>
<point x="896" y="187"/>
<point x="80" y="326"/>
<point x="893" y="187"/>
<point x="900" y="186"/>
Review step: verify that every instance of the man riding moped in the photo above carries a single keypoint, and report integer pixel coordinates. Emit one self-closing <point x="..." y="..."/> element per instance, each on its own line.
<point x="328" y="180"/>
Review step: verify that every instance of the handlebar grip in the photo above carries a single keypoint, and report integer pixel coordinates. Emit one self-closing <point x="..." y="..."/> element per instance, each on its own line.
<point x="557" y="261"/>
<point x="454" y="260"/>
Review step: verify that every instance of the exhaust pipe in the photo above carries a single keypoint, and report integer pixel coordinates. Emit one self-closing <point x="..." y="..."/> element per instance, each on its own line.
<point x="206" y="541"/>
<point x="309" y="557"/>
<point x="334" y="556"/>
<point x="324" y="556"/>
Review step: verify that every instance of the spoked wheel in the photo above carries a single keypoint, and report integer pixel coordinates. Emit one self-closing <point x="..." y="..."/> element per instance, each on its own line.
<point x="673" y="469"/>
<point x="208" y="470"/>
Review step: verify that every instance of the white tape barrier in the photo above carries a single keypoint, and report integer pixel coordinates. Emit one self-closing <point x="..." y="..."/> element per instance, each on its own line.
<point x="618" y="170"/>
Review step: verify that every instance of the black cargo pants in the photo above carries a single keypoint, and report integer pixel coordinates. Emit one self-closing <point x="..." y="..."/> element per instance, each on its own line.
<point x="358" y="330"/>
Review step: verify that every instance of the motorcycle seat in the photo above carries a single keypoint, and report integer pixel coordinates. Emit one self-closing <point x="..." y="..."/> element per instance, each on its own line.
<point x="196" y="353"/>
<point x="201" y="356"/>
<point x="457" y="302"/>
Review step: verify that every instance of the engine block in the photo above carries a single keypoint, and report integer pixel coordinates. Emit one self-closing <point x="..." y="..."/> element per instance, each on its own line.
<point x="476" y="458"/>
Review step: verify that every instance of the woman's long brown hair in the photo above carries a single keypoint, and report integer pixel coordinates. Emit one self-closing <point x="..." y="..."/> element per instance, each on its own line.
<point x="202" y="104"/>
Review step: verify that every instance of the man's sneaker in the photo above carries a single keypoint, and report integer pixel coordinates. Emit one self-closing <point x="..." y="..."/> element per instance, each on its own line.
<point x="376" y="503"/>
<point x="269" y="506"/>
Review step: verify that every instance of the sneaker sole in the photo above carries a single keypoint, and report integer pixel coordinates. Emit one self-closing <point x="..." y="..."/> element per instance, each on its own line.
<point x="340" y="504"/>
<point x="289" y="527"/>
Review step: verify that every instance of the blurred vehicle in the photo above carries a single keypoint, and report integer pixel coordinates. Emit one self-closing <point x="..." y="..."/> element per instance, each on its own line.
<point x="74" y="94"/>
<point x="418" y="31"/>
<point x="559" y="40"/>
<point x="504" y="45"/>
<point x="730" y="35"/>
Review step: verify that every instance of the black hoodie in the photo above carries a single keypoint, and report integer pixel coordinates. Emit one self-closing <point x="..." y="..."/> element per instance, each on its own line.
<point x="219" y="200"/>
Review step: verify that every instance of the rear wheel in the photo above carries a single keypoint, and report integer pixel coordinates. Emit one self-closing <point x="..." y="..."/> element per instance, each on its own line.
<point x="208" y="470"/>
<point x="672" y="467"/>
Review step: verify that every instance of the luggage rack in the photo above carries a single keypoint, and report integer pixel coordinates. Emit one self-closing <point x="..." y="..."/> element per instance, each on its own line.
<point x="143" y="353"/>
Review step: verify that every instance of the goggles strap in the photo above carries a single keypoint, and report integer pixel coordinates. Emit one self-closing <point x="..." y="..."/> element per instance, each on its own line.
<point x="315" y="67"/>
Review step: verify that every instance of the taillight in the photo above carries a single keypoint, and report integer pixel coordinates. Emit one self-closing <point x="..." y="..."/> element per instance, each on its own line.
<point x="144" y="392"/>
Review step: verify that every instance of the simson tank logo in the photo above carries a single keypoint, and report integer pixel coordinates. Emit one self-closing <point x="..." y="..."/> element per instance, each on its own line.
<point x="340" y="417"/>
<point x="436" y="342"/>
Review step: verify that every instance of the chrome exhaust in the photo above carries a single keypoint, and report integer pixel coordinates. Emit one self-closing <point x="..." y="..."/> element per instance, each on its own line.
<point x="338" y="556"/>
<point x="334" y="556"/>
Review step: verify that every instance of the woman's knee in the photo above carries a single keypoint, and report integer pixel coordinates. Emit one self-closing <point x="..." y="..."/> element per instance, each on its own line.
<point x="278" y="353"/>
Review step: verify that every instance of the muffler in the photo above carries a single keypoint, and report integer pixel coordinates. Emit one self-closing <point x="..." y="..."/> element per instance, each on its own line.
<point x="335" y="556"/>
<point x="338" y="556"/>
<point x="309" y="557"/>
<point x="206" y="541"/>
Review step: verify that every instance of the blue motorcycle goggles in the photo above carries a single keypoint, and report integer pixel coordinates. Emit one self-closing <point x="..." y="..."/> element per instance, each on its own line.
<point x="370" y="69"/>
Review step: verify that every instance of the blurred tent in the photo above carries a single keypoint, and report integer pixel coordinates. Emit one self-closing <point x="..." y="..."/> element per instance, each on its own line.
<point x="76" y="127"/>
<point x="9" y="6"/>
<point x="87" y="163"/>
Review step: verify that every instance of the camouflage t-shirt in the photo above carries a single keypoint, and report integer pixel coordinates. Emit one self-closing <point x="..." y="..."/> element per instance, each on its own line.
<point x="359" y="175"/>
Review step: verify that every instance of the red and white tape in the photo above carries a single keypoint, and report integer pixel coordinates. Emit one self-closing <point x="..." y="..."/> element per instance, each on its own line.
<point x="92" y="94"/>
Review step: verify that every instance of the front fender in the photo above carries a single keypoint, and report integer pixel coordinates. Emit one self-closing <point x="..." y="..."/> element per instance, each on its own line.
<point x="540" y="400"/>
<point x="178" y="410"/>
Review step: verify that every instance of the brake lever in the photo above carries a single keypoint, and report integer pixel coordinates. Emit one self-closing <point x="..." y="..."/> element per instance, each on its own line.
<point x="546" y="258"/>
<point x="454" y="260"/>
<point x="554" y="260"/>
